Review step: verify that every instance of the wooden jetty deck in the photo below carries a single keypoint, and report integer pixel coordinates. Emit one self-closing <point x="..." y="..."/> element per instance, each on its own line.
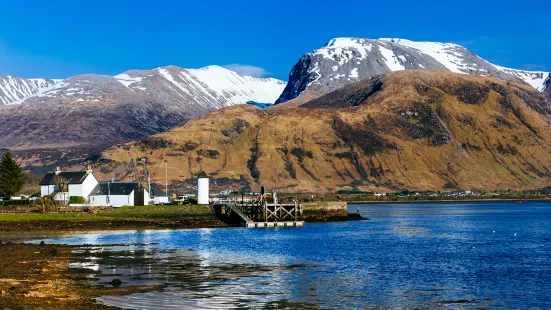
<point x="259" y="213"/>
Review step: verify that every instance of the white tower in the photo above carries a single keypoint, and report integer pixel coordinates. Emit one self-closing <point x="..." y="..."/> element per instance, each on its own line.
<point x="203" y="189"/>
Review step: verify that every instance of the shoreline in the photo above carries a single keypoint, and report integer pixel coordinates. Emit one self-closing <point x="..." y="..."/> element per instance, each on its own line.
<point x="449" y="201"/>
<point x="40" y="276"/>
<point x="32" y="222"/>
<point x="52" y="283"/>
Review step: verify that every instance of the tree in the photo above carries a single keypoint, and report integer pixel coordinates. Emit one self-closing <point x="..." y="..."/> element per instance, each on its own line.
<point x="62" y="186"/>
<point x="11" y="176"/>
<point x="32" y="184"/>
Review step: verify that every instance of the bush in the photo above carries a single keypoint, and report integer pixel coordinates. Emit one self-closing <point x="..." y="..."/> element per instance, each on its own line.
<point x="77" y="200"/>
<point x="14" y="202"/>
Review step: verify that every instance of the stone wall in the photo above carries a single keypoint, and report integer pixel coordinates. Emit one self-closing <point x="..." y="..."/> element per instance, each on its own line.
<point x="329" y="211"/>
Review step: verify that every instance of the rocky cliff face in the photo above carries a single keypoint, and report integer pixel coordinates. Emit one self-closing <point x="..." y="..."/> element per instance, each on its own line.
<point x="14" y="89"/>
<point x="95" y="111"/>
<point x="547" y="90"/>
<point x="347" y="60"/>
<point x="404" y="130"/>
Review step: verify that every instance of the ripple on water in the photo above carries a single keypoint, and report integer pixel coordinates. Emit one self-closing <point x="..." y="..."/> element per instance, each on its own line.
<point x="429" y="256"/>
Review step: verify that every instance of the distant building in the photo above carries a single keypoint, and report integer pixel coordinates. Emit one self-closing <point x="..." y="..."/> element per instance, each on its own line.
<point x="226" y="192"/>
<point x="159" y="200"/>
<point x="80" y="183"/>
<point x="118" y="194"/>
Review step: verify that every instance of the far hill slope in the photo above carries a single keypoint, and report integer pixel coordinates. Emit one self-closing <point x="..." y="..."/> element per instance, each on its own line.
<point x="94" y="111"/>
<point x="13" y="89"/>
<point x="404" y="130"/>
<point x="347" y="60"/>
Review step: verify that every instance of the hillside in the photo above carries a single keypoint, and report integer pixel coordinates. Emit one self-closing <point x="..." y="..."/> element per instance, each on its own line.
<point x="347" y="60"/>
<point x="14" y="89"/>
<point x="408" y="129"/>
<point x="94" y="111"/>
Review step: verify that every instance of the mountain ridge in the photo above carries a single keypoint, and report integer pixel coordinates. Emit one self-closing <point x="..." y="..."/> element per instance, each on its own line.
<point x="345" y="60"/>
<point x="128" y="106"/>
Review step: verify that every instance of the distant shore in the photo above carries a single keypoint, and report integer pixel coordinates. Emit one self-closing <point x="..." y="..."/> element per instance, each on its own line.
<point x="448" y="201"/>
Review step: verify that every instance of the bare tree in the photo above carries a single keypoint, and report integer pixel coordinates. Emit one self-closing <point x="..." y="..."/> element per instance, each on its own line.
<point x="62" y="186"/>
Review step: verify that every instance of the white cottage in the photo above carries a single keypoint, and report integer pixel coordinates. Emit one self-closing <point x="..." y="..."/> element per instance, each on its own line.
<point x="118" y="194"/>
<point x="80" y="184"/>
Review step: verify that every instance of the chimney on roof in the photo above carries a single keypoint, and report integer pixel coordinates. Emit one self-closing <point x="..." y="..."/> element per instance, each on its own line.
<point x="89" y="168"/>
<point x="57" y="170"/>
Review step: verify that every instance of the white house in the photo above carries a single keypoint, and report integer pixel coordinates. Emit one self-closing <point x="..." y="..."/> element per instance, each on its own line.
<point x="118" y="194"/>
<point x="80" y="183"/>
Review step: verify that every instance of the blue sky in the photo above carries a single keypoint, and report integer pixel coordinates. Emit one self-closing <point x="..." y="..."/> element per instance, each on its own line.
<point x="58" y="39"/>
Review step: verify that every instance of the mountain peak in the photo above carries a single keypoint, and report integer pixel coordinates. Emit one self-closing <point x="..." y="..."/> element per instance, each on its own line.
<point x="394" y="40"/>
<point x="344" y="60"/>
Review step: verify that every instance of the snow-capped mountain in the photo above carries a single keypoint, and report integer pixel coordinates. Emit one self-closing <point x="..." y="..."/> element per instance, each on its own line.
<point x="208" y="87"/>
<point x="345" y="60"/>
<point x="99" y="110"/>
<point x="13" y="89"/>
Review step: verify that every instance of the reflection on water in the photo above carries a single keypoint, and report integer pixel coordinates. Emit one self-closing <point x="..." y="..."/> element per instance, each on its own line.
<point x="438" y="255"/>
<point x="189" y="278"/>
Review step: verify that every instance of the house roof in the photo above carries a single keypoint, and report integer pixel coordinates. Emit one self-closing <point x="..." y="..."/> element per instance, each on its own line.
<point x="72" y="177"/>
<point x="114" y="188"/>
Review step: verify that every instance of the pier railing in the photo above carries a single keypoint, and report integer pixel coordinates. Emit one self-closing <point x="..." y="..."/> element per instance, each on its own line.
<point x="260" y="211"/>
<point x="238" y="209"/>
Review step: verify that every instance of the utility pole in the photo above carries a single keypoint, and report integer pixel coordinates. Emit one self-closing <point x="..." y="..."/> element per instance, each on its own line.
<point x="166" y="178"/>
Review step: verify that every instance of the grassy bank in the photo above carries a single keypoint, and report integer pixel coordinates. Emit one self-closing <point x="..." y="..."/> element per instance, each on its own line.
<point x="148" y="217"/>
<point x="26" y="220"/>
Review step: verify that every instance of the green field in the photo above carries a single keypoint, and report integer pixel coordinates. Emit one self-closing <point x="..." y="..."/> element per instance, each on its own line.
<point x="144" y="212"/>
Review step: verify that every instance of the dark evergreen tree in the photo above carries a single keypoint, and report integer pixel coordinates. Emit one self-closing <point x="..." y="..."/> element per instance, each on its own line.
<point x="11" y="176"/>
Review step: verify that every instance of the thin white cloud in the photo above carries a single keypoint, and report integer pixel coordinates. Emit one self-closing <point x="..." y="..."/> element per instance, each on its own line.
<point x="248" y="70"/>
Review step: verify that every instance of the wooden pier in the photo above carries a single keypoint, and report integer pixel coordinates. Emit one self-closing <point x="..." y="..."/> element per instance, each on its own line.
<point x="259" y="213"/>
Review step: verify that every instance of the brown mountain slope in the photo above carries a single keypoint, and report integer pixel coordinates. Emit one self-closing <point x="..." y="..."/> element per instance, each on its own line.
<point x="409" y="129"/>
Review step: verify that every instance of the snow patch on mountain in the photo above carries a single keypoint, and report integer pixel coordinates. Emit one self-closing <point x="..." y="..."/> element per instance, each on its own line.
<point x="48" y="91"/>
<point x="127" y="80"/>
<point x="391" y="60"/>
<point x="445" y="53"/>
<point x="238" y="88"/>
<point x="13" y="89"/>
<point x="534" y="78"/>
